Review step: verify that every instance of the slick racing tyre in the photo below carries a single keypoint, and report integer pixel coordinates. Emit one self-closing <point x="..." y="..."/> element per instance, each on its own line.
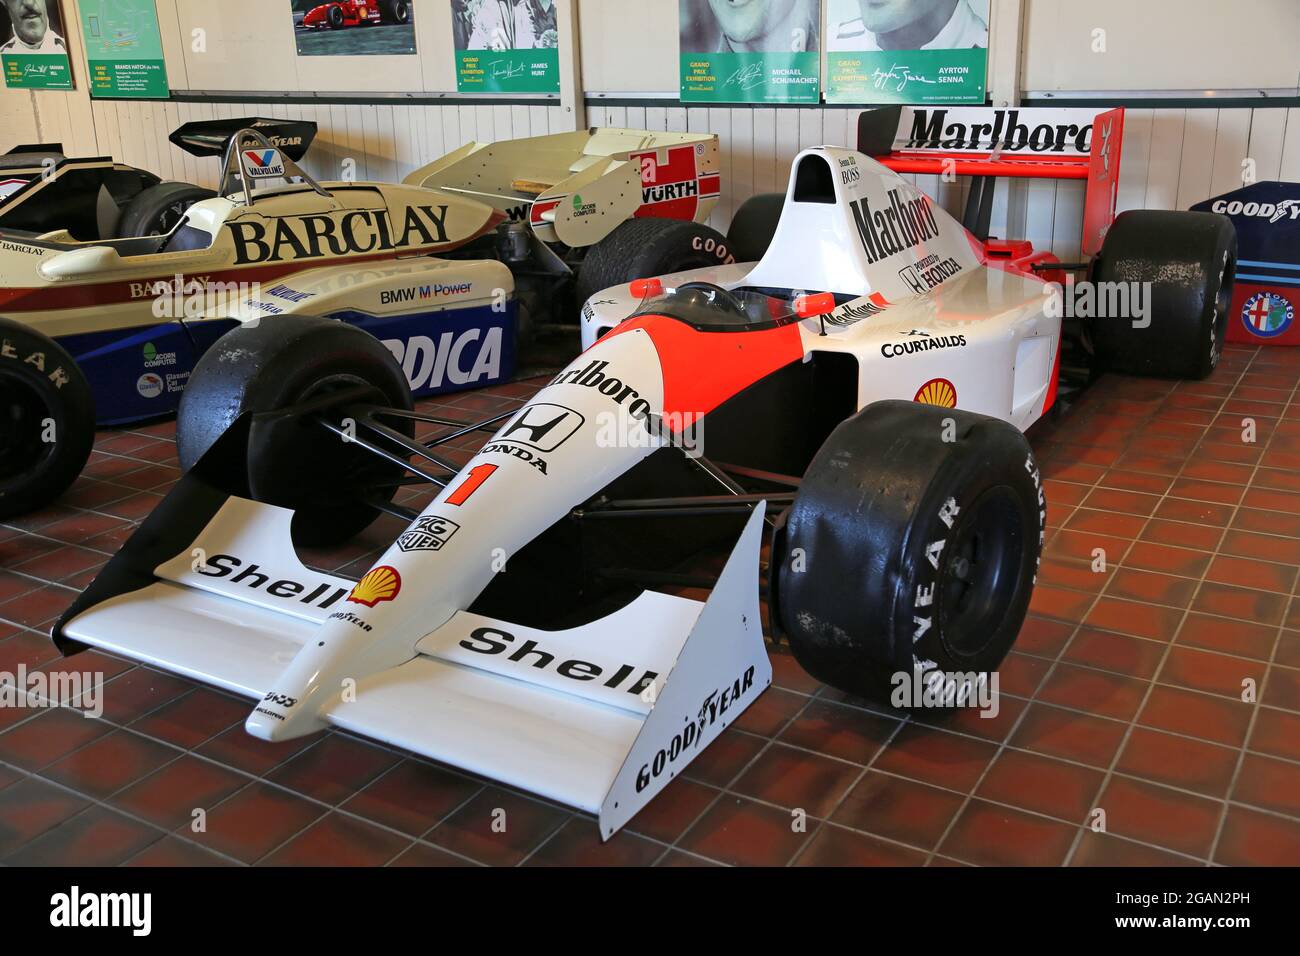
<point x="395" y="11"/>
<point x="1189" y="259"/>
<point x="335" y="18"/>
<point x="641" y="248"/>
<point x="754" y="225"/>
<point x="296" y="463"/>
<point x="157" y="210"/>
<point x="47" y="420"/>
<point x="911" y="548"/>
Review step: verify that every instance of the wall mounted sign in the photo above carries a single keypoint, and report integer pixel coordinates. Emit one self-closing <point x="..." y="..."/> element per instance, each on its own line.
<point x="506" y="46"/>
<point x="906" y="51"/>
<point x="124" y="55"/>
<point x="33" y="55"/>
<point x="761" y="51"/>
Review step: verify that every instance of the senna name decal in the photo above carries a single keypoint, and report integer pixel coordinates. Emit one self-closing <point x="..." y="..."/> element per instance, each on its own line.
<point x="357" y="232"/>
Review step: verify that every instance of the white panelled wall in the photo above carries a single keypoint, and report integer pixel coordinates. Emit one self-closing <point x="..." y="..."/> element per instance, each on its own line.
<point x="1172" y="157"/>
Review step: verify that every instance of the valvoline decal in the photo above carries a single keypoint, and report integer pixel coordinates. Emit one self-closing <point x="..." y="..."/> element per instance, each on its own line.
<point x="1267" y="293"/>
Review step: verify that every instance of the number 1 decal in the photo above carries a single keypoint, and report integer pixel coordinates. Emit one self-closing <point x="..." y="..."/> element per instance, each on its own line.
<point x="472" y="483"/>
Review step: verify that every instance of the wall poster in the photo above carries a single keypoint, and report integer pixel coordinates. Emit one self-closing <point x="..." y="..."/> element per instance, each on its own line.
<point x="756" y="51"/>
<point x="906" y="51"/>
<point x="506" y="46"/>
<point x="124" y="55"/>
<point x="33" y="55"/>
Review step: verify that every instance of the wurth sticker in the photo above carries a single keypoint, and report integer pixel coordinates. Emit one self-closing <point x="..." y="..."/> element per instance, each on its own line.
<point x="671" y="184"/>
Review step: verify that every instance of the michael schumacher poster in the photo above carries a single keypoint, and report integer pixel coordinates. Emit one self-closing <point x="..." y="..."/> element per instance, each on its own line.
<point x="906" y="51"/>
<point x="506" y="46"/>
<point x="32" y="50"/>
<point x="750" y="51"/>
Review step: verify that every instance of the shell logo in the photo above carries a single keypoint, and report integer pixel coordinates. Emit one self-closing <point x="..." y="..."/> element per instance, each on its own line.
<point x="937" y="391"/>
<point x="380" y="584"/>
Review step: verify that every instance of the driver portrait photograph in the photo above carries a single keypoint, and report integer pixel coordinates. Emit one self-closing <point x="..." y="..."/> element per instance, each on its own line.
<point x="504" y="24"/>
<point x="869" y="25"/>
<point x="33" y="27"/>
<point x="756" y="26"/>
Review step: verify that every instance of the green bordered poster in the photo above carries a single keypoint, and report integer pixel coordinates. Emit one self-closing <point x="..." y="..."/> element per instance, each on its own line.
<point x="918" y="51"/>
<point x="506" y="46"/>
<point x="761" y="51"/>
<point x="124" y="56"/>
<point x="33" y="55"/>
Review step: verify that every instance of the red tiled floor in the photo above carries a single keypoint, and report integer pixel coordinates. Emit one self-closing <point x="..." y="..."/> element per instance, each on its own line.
<point x="1124" y="693"/>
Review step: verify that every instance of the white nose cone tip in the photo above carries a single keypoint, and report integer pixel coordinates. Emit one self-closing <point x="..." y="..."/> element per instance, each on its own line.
<point x="272" y="721"/>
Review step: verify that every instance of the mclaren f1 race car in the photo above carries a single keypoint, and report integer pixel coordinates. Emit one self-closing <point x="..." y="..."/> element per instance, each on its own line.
<point x="857" y="399"/>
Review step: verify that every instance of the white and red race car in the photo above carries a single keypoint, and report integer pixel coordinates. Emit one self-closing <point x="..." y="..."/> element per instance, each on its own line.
<point x="862" y="390"/>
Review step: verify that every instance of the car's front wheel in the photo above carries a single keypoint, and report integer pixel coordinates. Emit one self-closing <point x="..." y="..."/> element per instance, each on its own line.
<point x="911" y="548"/>
<point x="256" y="376"/>
<point x="47" y="419"/>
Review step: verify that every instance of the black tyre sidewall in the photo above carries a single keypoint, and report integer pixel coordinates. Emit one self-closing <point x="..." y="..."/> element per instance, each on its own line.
<point x="754" y="225"/>
<point x="70" y="406"/>
<point x="142" y="213"/>
<point x="270" y="367"/>
<point x="871" y="502"/>
<point x="1188" y="258"/>
<point x="645" y="247"/>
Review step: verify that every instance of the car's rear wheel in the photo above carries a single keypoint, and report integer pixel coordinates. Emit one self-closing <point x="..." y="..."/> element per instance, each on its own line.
<point x="156" y="211"/>
<point x="645" y="247"/>
<point x="47" y="420"/>
<point x="911" y="548"/>
<point x="1179" y="266"/>
<point x="754" y="225"/>
<point x="264" y="371"/>
<point x="395" y="11"/>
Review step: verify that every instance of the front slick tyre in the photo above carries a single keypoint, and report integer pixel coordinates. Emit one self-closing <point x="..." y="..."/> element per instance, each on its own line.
<point x="47" y="420"/>
<point x="911" y="549"/>
<point x="332" y="486"/>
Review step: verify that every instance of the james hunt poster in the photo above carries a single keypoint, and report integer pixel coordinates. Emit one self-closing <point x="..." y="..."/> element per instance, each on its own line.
<point x="750" y="51"/>
<point x="32" y="52"/>
<point x="506" y="46"/>
<point x="906" y="51"/>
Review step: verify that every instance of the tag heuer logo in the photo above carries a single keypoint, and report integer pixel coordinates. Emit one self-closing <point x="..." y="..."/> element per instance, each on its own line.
<point x="428" y="533"/>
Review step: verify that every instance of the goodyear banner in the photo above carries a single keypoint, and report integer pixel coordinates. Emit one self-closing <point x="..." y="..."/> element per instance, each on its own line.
<point x="32" y="52"/>
<point x="124" y="56"/>
<point x="506" y="46"/>
<point x="760" y="51"/>
<point x="1266" y="294"/>
<point x="907" y="51"/>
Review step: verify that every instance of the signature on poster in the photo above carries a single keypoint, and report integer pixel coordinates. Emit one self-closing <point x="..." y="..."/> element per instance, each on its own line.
<point x="747" y="78"/>
<point x="897" y="77"/>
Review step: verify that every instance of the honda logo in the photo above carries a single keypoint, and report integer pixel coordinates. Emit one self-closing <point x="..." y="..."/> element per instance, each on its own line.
<point x="542" y="426"/>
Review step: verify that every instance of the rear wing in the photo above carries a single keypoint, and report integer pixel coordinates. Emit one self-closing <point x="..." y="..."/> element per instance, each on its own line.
<point x="988" y="143"/>
<point x="212" y="137"/>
